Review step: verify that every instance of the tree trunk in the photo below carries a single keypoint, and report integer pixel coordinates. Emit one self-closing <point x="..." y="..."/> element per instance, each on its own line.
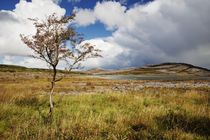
<point x="52" y="90"/>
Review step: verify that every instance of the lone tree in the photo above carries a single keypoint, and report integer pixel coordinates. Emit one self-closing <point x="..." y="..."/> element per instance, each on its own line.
<point x="49" y="44"/>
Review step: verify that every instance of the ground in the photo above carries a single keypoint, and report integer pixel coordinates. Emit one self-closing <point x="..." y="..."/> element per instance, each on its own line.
<point x="95" y="108"/>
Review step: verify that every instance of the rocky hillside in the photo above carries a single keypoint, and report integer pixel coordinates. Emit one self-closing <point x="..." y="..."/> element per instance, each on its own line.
<point x="164" y="68"/>
<point x="159" y="69"/>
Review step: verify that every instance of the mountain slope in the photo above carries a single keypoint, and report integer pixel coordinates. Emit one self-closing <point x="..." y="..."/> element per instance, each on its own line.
<point x="96" y="70"/>
<point x="181" y="69"/>
<point x="12" y="68"/>
<point x="16" y="68"/>
<point x="161" y="69"/>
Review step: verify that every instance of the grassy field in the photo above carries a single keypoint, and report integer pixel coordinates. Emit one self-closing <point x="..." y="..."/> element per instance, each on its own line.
<point x="150" y="113"/>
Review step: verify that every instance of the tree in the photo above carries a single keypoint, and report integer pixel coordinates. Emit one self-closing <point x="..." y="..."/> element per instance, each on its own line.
<point x="49" y="45"/>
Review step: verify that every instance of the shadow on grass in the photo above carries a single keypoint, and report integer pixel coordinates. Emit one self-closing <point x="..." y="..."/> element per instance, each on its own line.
<point x="140" y="130"/>
<point x="40" y="105"/>
<point x="147" y="134"/>
<point x="26" y="101"/>
<point x="138" y="127"/>
<point x="193" y="124"/>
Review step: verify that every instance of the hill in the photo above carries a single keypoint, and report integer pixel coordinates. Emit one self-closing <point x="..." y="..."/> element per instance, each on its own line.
<point x="96" y="70"/>
<point x="16" y="68"/>
<point x="159" y="69"/>
<point x="11" y="68"/>
<point x="182" y="69"/>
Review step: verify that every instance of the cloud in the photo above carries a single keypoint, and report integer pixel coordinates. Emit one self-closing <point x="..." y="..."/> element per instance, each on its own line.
<point x="15" y="22"/>
<point x="29" y="62"/>
<point x="123" y="2"/>
<point x="109" y="58"/>
<point x="8" y="60"/>
<point x="112" y="18"/>
<point x="57" y="1"/>
<point x="24" y="61"/>
<point x="159" y="31"/>
<point x="84" y="17"/>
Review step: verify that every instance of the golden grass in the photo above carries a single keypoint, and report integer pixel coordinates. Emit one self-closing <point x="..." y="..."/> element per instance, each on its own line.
<point x="150" y="113"/>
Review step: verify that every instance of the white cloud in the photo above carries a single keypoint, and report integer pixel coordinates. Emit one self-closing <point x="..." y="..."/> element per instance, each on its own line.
<point x="110" y="51"/>
<point x="15" y="22"/>
<point x="84" y="17"/>
<point x="36" y="8"/>
<point x="123" y="2"/>
<point x="8" y="60"/>
<point x="160" y="31"/>
<point x="57" y="1"/>
<point x="110" y="13"/>
<point x="31" y="63"/>
<point x="24" y="61"/>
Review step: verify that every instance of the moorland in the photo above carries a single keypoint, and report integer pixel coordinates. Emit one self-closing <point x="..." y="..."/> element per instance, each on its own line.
<point x="91" y="106"/>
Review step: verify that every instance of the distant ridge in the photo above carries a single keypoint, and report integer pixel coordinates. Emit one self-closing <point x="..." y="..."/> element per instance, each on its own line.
<point x="181" y="69"/>
<point x="16" y="68"/>
<point x="158" y="69"/>
<point x="96" y="70"/>
<point x="174" y="63"/>
<point x="11" y="68"/>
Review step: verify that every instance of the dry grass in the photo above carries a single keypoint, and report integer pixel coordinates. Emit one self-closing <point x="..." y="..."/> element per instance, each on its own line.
<point x="150" y="113"/>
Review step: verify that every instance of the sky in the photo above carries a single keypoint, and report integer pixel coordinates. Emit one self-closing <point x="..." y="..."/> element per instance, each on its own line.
<point x="130" y="33"/>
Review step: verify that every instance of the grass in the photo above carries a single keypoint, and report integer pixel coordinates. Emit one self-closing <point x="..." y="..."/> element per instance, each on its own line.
<point x="150" y="113"/>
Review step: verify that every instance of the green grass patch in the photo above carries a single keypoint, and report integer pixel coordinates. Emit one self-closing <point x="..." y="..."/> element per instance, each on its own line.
<point x="146" y="114"/>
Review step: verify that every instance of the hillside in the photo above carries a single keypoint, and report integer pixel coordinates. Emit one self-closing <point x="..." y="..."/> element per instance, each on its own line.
<point x="96" y="70"/>
<point x="12" y="68"/>
<point x="182" y="69"/>
<point x="16" y="68"/>
<point x="160" y="69"/>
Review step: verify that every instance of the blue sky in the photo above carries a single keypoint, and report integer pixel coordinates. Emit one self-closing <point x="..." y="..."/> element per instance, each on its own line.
<point x="69" y="4"/>
<point x="92" y="31"/>
<point x="130" y="33"/>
